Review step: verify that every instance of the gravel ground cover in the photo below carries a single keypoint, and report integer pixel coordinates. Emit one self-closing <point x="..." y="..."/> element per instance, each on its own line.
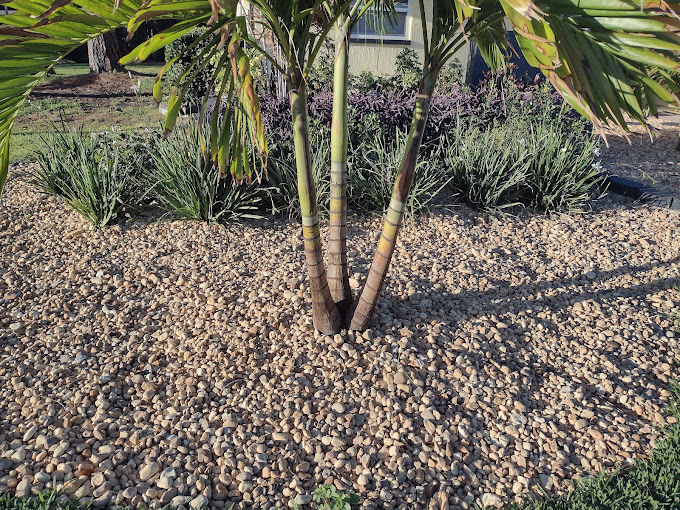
<point x="172" y="362"/>
<point x="656" y="163"/>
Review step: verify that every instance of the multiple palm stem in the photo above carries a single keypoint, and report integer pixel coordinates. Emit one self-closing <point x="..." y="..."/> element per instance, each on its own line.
<point x="325" y="314"/>
<point x="594" y="55"/>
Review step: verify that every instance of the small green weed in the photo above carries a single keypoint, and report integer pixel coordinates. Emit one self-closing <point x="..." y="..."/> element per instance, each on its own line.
<point x="327" y="497"/>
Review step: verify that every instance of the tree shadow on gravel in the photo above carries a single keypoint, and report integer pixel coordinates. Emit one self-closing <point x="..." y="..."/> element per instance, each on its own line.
<point x="493" y="305"/>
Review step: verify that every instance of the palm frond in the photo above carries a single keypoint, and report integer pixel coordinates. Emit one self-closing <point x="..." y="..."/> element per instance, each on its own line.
<point x="595" y="51"/>
<point x="36" y="36"/>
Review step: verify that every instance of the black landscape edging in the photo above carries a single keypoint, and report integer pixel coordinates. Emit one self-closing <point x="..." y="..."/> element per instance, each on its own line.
<point x="641" y="192"/>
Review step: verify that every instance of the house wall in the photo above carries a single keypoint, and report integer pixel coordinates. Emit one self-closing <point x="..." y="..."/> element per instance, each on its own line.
<point x="379" y="57"/>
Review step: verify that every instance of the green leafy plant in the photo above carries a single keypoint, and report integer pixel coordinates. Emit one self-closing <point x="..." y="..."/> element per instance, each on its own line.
<point x="545" y="161"/>
<point x="561" y="173"/>
<point x="185" y="183"/>
<point x="487" y="168"/>
<point x="373" y="166"/>
<point x="95" y="179"/>
<point x="328" y="497"/>
<point x="365" y="81"/>
<point x="450" y="77"/>
<point x="321" y="73"/>
<point x="408" y="69"/>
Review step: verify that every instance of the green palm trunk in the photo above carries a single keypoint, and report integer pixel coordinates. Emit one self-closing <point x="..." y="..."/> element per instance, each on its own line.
<point x="338" y="273"/>
<point x="325" y="314"/>
<point x="365" y="304"/>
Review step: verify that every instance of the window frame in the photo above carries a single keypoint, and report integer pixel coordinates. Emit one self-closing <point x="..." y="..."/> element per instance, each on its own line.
<point x="405" y="38"/>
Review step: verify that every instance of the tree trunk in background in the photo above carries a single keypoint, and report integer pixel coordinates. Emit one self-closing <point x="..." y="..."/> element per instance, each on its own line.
<point x="103" y="54"/>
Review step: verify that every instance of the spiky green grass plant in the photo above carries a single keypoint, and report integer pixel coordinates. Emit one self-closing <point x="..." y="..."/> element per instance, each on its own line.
<point x="95" y="179"/>
<point x="189" y="186"/>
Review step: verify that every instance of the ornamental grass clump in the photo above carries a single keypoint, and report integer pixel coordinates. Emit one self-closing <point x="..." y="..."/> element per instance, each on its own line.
<point x="94" y="178"/>
<point x="184" y="183"/>
<point x="562" y="172"/>
<point x="373" y="167"/>
<point x="546" y="162"/>
<point x="488" y="168"/>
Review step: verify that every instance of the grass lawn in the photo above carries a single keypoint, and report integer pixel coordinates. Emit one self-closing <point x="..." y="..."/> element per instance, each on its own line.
<point x="93" y="102"/>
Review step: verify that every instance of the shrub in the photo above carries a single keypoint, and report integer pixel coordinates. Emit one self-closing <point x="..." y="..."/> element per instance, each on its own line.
<point x="186" y="49"/>
<point x="373" y="168"/>
<point x="379" y="110"/>
<point x="184" y="183"/>
<point x="321" y="75"/>
<point x="450" y="77"/>
<point x="534" y="162"/>
<point x="560" y="172"/>
<point x="408" y="69"/>
<point x="95" y="178"/>
<point x="365" y="82"/>
<point x="487" y="170"/>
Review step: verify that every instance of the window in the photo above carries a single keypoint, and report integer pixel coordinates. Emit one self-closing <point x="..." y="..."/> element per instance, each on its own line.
<point x="395" y="29"/>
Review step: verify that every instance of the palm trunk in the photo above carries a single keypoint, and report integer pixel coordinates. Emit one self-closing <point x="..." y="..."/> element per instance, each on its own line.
<point x="365" y="305"/>
<point x="325" y="314"/>
<point x="338" y="273"/>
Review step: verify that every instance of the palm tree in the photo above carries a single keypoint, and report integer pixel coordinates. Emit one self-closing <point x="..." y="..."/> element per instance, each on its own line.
<point x="338" y="271"/>
<point x="592" y="51"/>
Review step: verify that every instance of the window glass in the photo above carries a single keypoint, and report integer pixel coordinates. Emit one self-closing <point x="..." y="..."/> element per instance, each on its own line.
<point x="394" y="28"/>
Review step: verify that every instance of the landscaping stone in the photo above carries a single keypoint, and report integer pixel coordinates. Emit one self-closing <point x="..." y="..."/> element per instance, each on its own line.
<point x="494" y="366"/>
<point x="148" y="471"/>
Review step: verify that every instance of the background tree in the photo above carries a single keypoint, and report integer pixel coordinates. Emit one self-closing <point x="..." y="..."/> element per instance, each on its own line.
<point x="103" y="53"/>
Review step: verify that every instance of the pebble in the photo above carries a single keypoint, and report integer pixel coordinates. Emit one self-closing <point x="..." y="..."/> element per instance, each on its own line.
<point x="30" y="433"/>
<point x="198" y="502"/>
<point x="580" y="424"/>
<point x="490" y="500"/>
<point x="157" y="367"/>
<point x="148" y="471"/>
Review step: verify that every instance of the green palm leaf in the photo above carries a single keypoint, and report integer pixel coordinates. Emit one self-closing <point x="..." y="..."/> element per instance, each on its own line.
<point x="39" y="33"/>
<point x="595" y="51"/>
